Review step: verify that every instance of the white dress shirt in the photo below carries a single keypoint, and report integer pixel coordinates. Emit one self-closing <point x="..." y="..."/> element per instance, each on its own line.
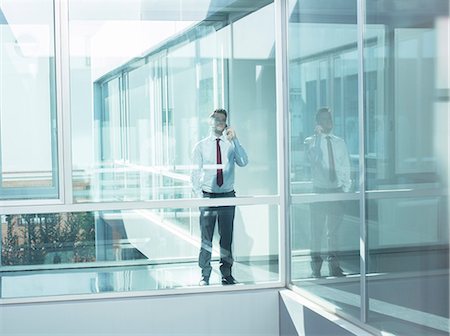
<point x="204" y="158"/>
<point x="317" y="153"/>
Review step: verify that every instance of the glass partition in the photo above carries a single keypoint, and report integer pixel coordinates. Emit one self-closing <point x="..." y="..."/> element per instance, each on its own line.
<point x="28" y="145"/>
<point x="405" y="126"/>
<point x="132" y="250"/>
<point x="144" y="80"/>
<point x="141" y="108"/>
<point x="324" y="150"/>
<point x="407" y="105"/>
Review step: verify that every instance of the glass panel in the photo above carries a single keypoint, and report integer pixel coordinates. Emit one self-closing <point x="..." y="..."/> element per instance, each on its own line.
<point x="338" y="242"/>
<point x="323" y="93"/>
<point x="28" y="149"/>
<point x="409" y="253"/>
<point x="130" y="250"/>
<point x="407" y="107"/>
<point x="403" y="79"/>
<point x="139" y="110"/>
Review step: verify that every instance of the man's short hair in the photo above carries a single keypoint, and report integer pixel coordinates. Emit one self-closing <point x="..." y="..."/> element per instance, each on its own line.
<point x="219" y="110"/>
<point x="322" y="110"/>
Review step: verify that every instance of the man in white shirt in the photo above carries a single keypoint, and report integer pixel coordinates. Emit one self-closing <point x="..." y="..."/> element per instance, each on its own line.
<point x="330" y="169"/>
<point x="214" y="160"/>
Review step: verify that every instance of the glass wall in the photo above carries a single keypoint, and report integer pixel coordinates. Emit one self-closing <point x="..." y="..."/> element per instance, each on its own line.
<point x="403" y="239"/>
<point x="407" y="79"/>
<point x="144" y="79"/>
<point x="140" y="108"/>
<point x="129" y="250"/>
<point x="28" y="150"/>
<point x="324" y="145"/>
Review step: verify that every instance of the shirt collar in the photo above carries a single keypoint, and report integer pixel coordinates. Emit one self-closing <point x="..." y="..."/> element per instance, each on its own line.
<point x="212" y="137"/>
<point x="331" y="135"/>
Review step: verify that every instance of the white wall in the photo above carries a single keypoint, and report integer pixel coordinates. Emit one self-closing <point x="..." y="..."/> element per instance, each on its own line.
<point x="228" y="313"/>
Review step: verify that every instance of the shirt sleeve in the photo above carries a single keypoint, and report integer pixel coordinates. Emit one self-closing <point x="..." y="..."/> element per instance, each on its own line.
<point x="240" y="156"/>
<point x="197" y="170"/>
<point x="313" y="151"/>
<point x="345" y="162"/>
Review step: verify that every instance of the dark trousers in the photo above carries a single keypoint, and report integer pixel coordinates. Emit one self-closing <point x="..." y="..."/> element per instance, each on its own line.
<point x="224" y="215"/>
<point x="326" y="218"/>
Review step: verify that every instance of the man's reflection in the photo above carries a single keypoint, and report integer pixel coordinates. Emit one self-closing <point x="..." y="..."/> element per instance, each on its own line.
<point x="330" y="169"/>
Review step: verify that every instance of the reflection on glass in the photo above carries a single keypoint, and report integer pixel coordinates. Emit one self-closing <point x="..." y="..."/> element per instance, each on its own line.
<point x="138" y="110"/>
<point x="407" y="105"/>
<point x="342" y="291"/>
<point x="28" y="151"/>
<point x="345" y="237"/>
<point x="406" y="124"/>
<point x="323" y="93"/>
<point x="308" y="84"/>
<point x="408" y="253"/>
<point x="330" y="170"/>
<point x="128" y="250"/>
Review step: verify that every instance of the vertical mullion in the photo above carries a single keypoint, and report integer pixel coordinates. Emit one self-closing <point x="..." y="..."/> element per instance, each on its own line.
<point x="228" y="66"/>
<point x="166" y="113"/>
<point x="363" y="249"/>
<point x="63" y="101"/>
<point x="282" y="101"/>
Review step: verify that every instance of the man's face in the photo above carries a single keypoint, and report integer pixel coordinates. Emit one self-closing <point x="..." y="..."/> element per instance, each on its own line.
<point x="218" y="122"/>
<point x="325" y="121"/>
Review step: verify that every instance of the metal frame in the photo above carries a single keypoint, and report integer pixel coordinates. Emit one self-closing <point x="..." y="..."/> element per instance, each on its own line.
<point x="282" y="97"/>
<point x="363" y="249"/>
<point x="153" y="204"/>
<point x="63" y="101"/>
<point x="57" y="187"/>
<point x="158" y="292"/>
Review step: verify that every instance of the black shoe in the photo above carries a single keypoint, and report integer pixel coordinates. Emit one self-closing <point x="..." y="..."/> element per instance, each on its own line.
<point x="336" y="271"/>
<point x="316" y="274"/>
<point x="204" y="281"/>
<point x="229" y="280"/>
<point x="316" y="265"/>
<point x="333" y="267"/>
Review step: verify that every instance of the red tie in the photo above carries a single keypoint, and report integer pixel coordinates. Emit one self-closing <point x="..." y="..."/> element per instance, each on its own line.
<point x="331" y="160"/>
<point x="219" y="161"/>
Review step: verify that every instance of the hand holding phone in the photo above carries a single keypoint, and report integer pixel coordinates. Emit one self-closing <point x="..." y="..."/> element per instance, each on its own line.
<point x="230" y="133"/>
<point x="318" y="130"/>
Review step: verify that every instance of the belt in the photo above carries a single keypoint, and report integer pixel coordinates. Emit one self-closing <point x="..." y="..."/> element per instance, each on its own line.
<point x="218" y="195"/>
